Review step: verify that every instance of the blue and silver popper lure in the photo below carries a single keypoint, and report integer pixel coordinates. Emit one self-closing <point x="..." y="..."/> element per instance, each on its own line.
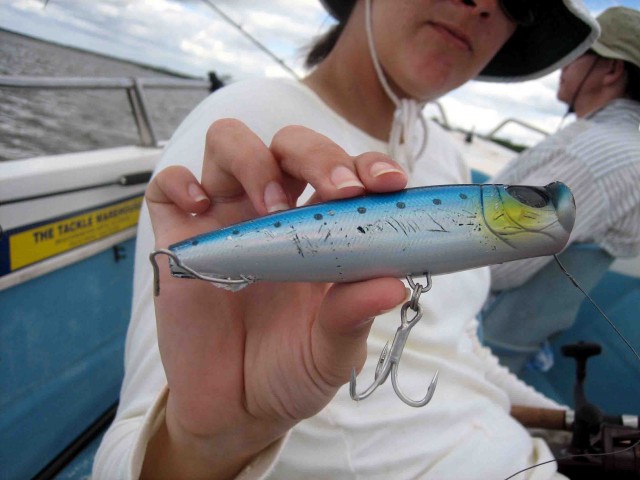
<point x="415" y="232"/>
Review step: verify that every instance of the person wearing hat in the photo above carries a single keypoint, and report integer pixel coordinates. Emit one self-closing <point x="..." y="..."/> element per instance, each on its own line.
<point x="252" y="383"/>
<point x="598" y="157"/>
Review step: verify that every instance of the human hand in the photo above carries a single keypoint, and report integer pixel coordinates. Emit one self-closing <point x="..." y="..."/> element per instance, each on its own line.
<point x="244" y="367"/>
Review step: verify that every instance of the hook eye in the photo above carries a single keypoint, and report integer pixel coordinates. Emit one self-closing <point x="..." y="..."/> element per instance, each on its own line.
<point x="180" y="270"/>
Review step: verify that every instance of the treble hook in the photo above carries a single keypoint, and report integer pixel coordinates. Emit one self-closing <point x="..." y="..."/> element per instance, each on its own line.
<point x="390" y="359"/>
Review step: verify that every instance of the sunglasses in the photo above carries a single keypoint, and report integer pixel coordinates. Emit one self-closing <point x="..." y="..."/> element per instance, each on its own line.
<point x="522" y="12"/>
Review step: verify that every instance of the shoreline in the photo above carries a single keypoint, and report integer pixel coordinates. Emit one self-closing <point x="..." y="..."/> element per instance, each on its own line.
<point x="153" y="68"/>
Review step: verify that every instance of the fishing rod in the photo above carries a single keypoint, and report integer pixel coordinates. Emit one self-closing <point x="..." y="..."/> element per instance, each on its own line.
<point x="261" y="46"/>
<point x="257" y="43"/>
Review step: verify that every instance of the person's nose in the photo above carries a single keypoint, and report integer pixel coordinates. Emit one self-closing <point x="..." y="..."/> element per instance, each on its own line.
<point x="483" y="8"/>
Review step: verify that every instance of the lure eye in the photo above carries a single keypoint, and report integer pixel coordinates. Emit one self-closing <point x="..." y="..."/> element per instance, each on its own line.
<point x="531" y="197"/>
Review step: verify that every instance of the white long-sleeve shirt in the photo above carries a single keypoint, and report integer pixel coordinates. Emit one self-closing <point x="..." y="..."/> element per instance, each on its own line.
<point x="465" y="431"/>
<point x="598" y="158"/>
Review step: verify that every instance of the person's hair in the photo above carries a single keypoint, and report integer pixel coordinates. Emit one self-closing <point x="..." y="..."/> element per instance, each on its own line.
<point x="633" y="81"/>
<point x="322" y="46"/>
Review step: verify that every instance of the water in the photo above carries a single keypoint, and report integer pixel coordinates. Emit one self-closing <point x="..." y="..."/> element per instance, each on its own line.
<point x="36" y="122"/>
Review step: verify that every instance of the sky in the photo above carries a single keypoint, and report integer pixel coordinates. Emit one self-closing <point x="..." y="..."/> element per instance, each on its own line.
<point x="189" y="36"/>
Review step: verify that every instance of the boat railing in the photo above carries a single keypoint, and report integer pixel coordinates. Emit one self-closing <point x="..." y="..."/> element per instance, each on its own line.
<point x="134" y="87"/>
<point x="444" y="120"/>
<point x="492" y="134"/>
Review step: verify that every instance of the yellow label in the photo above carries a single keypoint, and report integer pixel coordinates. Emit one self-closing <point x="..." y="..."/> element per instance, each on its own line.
<point x="51" y="239"/>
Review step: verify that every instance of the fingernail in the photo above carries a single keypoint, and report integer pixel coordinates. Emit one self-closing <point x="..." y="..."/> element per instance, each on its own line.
<point x="196" y="193"/>
<point x="380" y="168"/>
<point x="342" y="177"/>
<point x="274" y="198"/>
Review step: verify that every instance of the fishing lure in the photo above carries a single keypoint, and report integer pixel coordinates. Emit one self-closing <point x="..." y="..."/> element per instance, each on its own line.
<point x="435" y="230"/>
<point x="420" y="231"/>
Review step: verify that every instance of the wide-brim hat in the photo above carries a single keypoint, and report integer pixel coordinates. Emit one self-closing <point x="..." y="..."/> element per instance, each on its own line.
<point x="563" y="32"/>
<point x="620" y="37"/>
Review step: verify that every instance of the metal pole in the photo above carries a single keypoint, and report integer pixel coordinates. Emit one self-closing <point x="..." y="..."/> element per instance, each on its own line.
<point x="141" y="116"/>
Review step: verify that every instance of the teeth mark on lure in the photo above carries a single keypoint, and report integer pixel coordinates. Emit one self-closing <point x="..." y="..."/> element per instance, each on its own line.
<point x="437" y="201"/>
<point x="318" y="216"/>
<point x="236" y="232"/>
<point x="408" y="226"/>
<point x="361" y="230"/>
<point x="194" y="242"/>
<point x="391" y="225"/>
<point x="401" y="226"/>
<point x="362" y="210"/>
<point x="463" y="196"/>
<point x="297" y="243"/>
<point x="401" y="205"/>
<point x="442" y="229"/>
<point x="277" y="224"/>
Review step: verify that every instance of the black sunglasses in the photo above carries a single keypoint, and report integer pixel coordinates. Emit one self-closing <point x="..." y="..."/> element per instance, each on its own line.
<point x="522" y="12"/>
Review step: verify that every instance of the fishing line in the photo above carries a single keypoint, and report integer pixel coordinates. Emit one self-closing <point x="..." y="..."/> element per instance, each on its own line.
<point x="604" y="315"/>
<point x="567" y="457"/>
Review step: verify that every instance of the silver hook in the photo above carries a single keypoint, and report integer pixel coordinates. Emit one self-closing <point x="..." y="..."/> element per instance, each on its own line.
<point x="390" y="358"/>
<point x="188" y="272"/>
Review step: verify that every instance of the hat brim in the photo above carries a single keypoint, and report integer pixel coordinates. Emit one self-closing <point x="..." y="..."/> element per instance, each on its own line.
<point x="606" y="52"/>
<point x="565" y="32"/>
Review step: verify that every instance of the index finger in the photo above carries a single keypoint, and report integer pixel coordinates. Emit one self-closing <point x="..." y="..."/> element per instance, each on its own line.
<point x="240" y="170"/>
<point x="315" y="159"/>
<point x="241" y="176"/>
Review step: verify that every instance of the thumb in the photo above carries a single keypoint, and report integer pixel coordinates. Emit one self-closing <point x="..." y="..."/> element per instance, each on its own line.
<point x="346" y="315"/>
